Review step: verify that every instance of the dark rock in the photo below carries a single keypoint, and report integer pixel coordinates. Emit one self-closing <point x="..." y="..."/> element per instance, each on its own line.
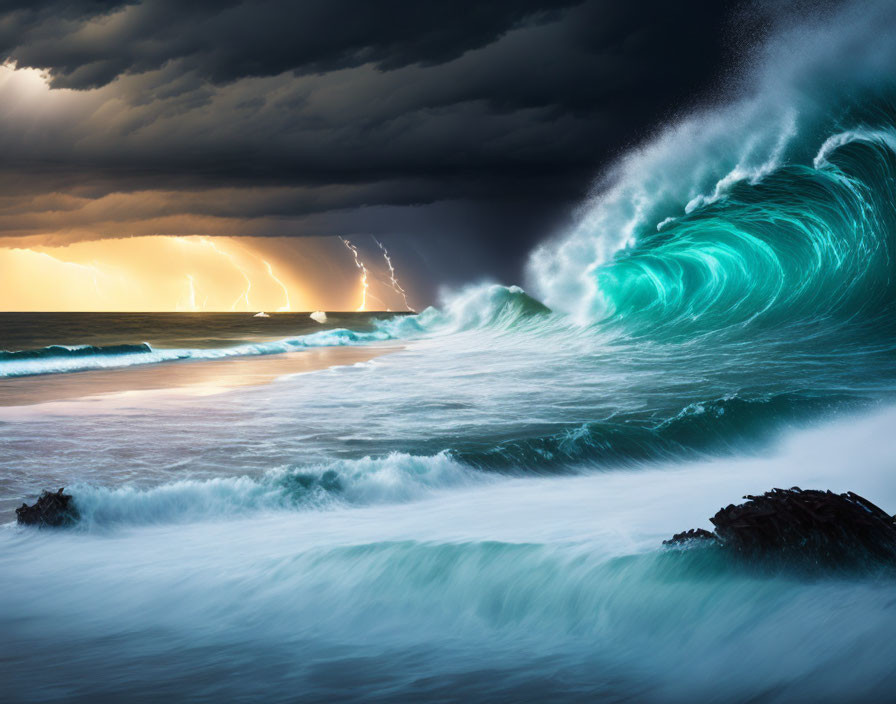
<point x="689" y="535"/>
<point x="818" y="526"/>
<point x="51" y="510"/>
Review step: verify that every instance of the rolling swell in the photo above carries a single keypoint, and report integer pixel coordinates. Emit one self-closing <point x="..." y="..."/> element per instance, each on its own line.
<point x="702" y="429"/>
<point x="65" y="352"/>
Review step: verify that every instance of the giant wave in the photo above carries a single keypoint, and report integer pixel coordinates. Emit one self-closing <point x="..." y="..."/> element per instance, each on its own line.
<point x="773" y="210"/>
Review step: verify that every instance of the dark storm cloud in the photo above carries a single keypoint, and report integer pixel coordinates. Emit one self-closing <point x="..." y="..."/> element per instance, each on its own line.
<point x="88" y="44"/>
<point x="479" y="124"/>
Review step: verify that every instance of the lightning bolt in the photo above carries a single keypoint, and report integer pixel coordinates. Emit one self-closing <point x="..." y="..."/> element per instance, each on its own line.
<point x="393" y="278"/>
<point x="245" y="294"/>
<point x="360" y="265"/>
<point x="285" y="308"/>
<point x="231" y="258"/>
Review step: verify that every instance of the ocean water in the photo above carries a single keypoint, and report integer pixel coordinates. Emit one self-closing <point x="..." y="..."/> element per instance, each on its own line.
<point x="36" y="344"/>
<point x="478" y="515"/>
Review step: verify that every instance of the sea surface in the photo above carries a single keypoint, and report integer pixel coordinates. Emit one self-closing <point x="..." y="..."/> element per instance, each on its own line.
<point x="478" y="515"/>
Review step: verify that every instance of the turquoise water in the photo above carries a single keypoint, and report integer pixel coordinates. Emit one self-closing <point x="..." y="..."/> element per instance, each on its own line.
<point x="479" y="515"/>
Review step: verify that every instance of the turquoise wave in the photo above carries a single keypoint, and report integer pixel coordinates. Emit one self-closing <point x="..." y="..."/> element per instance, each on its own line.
<point x="803" y="243"/>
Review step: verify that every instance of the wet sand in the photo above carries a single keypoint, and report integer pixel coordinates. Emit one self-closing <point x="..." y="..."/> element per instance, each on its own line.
<point x="198" y="377"/>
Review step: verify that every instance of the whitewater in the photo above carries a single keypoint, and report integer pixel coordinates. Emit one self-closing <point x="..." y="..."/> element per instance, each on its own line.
<point x="479" y="515"/>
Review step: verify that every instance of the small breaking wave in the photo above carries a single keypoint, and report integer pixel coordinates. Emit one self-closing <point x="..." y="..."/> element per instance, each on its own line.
<point x="396" y="478"/>
<point x="476" y="307"/>
<point x="67" y="352"/>
<point x="59" y="359"/>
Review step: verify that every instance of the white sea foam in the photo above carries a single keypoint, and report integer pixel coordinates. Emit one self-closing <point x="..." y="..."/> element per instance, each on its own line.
<point x="513" y="570"/>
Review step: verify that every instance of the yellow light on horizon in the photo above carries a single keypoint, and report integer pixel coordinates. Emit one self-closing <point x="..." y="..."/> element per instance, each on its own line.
<point x="152" y="274"/>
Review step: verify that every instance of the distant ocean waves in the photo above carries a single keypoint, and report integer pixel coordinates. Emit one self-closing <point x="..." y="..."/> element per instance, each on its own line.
<point x="60" y="359"/>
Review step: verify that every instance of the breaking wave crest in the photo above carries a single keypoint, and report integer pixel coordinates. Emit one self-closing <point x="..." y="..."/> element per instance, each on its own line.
<point x="801" y="244"/>
<point x="488" y="306"/>
<point x="397" y="477"/>
<point x="777" y="208"/>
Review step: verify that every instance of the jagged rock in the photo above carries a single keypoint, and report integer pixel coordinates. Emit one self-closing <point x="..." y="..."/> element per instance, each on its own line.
<point x="692" y="534"/>
<point x="52" y="509"/>
<point x="820" y="526"/>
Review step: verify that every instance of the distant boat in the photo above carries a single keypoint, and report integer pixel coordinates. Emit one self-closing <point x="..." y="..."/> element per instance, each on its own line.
<point x="319" y="316"/>
<point x="261" y="314"/>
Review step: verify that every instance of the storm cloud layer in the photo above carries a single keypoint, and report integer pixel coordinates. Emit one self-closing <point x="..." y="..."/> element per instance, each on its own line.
<point x="466" y="130"/>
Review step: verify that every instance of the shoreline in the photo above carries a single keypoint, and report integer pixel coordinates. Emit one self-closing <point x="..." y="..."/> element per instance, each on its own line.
<point x="193" y="377"/>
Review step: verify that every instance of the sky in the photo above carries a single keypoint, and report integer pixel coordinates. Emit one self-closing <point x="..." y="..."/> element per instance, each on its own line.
<point x="455" y="134"/>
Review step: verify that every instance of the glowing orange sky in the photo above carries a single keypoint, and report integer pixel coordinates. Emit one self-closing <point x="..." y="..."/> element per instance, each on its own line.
<point x="74" y="249"/>
<point x="166" y="273"/>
